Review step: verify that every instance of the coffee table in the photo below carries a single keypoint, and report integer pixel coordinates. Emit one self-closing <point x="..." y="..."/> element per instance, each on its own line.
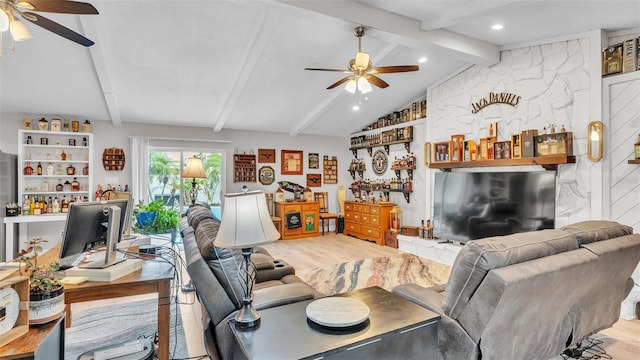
<point x="396" y="328"/>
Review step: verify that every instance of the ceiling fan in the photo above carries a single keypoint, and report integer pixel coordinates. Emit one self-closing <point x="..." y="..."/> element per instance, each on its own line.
<point x="362" y="74"/>
<point x="19" y="32"/>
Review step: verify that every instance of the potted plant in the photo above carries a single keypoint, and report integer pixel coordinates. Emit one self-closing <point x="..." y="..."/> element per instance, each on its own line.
<point x="155" y="218"/>
<point x="46" y="291"/>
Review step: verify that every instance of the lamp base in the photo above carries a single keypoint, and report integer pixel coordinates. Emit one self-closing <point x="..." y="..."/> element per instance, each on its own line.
<point x="247" y="317"/>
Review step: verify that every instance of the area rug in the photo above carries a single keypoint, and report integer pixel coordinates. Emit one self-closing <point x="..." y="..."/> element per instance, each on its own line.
<point x="115" y="324"/>
<point x="385" y="272"/>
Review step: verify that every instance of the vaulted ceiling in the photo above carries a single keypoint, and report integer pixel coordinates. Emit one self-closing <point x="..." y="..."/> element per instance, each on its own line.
<point x="239" y="64"/>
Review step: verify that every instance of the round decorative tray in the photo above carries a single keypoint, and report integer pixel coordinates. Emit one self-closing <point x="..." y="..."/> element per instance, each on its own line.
<point x="337" y="312"/>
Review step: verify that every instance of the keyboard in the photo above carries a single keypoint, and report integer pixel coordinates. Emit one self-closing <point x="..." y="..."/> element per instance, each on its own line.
<point x="71" y="261"/>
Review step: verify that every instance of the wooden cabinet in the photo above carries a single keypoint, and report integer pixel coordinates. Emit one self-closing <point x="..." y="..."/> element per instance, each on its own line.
<point x="367" y="221"/>
<point x="300" y="219"/>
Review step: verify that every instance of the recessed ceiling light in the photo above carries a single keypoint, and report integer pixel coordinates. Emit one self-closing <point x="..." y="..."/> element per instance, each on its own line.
<point x="497" y="27"/>
<point x="356" y="107"/>
<point x="423" y="60"/>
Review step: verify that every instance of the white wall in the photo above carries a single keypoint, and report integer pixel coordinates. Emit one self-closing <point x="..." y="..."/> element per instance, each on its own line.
<point x="107" y="136"/>
<point x="554" y="81"/>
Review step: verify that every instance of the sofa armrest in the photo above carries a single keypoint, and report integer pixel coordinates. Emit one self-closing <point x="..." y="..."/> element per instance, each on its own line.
<point x="281" y="295"/>
<point x="431" y="298"/>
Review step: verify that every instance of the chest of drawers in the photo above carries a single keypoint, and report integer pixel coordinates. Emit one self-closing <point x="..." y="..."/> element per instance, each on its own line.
<point x="367" y="221"/>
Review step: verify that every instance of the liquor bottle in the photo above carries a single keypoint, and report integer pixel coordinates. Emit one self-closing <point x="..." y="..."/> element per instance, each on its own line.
<point x="32" y="206"/>
<point x="39" y="169"/>
<point x="75" y="185"/>
<point x="637" y="149"/>
<point x="45" y="185"/>
<point x="25" y="205"/>
<point x="71" y="170"/>
<point x="50" y="169"/>
<point x="421" y="230"/>
<point x="85" y="170"/>
<point x="59" y="170"/>
<point x="67" y="186"/>
<point x="56" y="206"/>
<point x="59" y="186"/>
<point x="429" y="230"/>
<point x="63" y="155"/>
<point x="126" y="188"/>
<point x="49" y="207"/>
<point x="64" y="206"/>
<point x="28" y="170"/>
<point x="36" y="207"/>
<point x="42" y="205"/>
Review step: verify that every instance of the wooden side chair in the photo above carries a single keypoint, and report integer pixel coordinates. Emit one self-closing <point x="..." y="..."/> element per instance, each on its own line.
<point x="276" y="220"/>
<point x="325" y="215"/>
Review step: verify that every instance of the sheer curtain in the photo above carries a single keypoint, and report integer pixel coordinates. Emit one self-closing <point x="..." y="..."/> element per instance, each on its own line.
<point x="139" y="168"/>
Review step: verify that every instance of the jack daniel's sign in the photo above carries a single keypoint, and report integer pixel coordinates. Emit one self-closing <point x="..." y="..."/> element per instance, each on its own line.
<point x="495" y="98"/>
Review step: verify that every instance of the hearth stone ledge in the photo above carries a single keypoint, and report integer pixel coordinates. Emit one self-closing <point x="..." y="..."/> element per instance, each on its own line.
<point x="429" y="249"/>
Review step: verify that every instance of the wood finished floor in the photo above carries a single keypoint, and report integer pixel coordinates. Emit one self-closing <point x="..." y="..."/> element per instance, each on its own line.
<point x="331" y="249"/>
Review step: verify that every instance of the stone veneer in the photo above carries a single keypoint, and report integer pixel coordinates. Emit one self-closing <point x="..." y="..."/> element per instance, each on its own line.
<point x="554" y="82"/>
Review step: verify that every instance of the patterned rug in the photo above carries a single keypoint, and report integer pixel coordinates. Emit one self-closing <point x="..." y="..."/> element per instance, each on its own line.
<point x="116" y="324"/>
<point x="386" y="272"/>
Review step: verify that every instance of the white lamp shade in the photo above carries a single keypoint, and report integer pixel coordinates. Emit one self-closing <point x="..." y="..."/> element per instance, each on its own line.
<point x="194" y="169"/>
<point x="364" y="85"/>
<point x="362" y="60"/>
<point x="246" y="221"/>
<point x="351" y="86"/>
<point x="4" y="21"/>
<point x="19" y="32"/>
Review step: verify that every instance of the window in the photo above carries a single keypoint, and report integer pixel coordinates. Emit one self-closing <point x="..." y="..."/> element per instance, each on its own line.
<point x="165" y="182"/>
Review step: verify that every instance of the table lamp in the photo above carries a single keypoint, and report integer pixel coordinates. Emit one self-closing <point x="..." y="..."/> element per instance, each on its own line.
<point x="193" y="170"/>
<point x="246" y="223"/>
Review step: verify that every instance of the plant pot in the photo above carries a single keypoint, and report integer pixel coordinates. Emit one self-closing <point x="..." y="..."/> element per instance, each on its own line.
<point x="47" y="306"/>
<point x="146" y="218"/>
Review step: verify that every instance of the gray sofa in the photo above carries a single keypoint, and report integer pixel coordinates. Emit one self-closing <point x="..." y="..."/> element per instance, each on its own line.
<point x="531" y="295"/>
<point x="214" y="273"/>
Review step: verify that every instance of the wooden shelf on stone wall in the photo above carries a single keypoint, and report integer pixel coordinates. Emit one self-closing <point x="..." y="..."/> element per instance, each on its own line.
<point x="549" y="162"/>
<point x="636" y="161"/>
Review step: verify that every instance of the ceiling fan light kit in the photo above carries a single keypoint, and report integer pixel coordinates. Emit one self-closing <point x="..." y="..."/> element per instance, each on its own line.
<point x="19" y="32"/>
<point x="361" y="70"/>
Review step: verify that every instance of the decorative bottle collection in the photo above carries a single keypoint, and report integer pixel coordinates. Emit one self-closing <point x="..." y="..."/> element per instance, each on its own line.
<point x="408" y="161"/>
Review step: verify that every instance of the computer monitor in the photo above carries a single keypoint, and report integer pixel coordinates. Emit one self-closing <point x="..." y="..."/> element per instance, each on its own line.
<point x="128" y="219"/>
<point x="87" y="225"/>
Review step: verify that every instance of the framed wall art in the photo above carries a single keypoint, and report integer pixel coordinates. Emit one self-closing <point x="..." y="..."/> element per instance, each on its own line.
<point x="291" y="162"/>
<point x="314" y="161"/>
<point x="267" y="156"/>
<point x="266" y="175"/>
<point x="314" y="180"/>
<point x="441" y="151"/>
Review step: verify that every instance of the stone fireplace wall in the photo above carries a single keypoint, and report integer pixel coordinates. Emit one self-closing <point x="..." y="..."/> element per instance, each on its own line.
<point x="555" y="82"/>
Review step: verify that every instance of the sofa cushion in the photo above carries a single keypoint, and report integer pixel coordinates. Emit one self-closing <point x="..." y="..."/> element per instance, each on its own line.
<point x="597" y="230"/>
<point x="198" y="213"/>
<point x="205" y="236"/>
<point x="478" y="257"/>
<point x="224" y="265"/>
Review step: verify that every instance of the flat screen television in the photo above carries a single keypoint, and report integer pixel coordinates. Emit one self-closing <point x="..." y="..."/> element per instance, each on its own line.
<point x="469" y="206"/>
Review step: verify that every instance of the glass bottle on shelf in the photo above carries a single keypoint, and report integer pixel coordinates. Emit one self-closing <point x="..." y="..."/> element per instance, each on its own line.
<point x="429" y="230"/>
<point x="59" y="170"/>
<point x="49" y="207"/>
<point x="36" y="207"/>
<point x="64" y="206"/>
<point x="59" y="186"/>
<point x="637" y="148"/>
<point x="25" y="205"/>
<point x="63" y="155"/>
<point x="28" y="170"/>
<point x="50" y="169"/>
<point x="32" y="206"/>
<point x="75" y="185"/>
<point x="85" y="170"/>
<point x="39" y="169"/>
<point x="71" y="170"/>
<point x="29" y="140"/>
<point x="45" y="185"/>
<point x="67" y="186"/>
<point x="55" y="207"/>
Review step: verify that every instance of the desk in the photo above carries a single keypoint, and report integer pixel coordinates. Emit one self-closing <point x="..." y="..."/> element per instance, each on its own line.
<point x="397" y="328"/>
<point x="154" y="277"/>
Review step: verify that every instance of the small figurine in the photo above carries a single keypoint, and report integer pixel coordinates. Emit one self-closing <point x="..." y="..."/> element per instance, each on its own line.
<point x="98" y="194"/>
<point x="562" y="129"/>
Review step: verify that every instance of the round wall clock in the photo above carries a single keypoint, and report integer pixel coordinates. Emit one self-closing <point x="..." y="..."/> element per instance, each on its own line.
<point x="379" y="162"/>
<point x="266" y="175"/>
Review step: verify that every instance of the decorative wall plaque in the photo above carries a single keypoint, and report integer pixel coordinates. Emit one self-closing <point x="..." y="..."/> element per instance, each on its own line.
<point x="379" y="162"/>
<point x="266" y="155"/>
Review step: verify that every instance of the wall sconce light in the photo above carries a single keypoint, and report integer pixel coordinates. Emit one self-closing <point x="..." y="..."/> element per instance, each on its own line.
<point x="594" y="140"/>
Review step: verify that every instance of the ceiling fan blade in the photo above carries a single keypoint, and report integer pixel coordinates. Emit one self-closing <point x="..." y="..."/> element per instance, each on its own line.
<point x="56" y="28"/>
<point x="394" y="69"/>
<point x="62" y="6"/>
<point x="376" y="81"/>
<point x="339" y="82"/>
<point x="334" y="70"/>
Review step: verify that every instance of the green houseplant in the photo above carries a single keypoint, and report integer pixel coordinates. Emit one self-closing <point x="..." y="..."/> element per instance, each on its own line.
<point x="46" y="291"/>
<point x="155" y="218"/>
